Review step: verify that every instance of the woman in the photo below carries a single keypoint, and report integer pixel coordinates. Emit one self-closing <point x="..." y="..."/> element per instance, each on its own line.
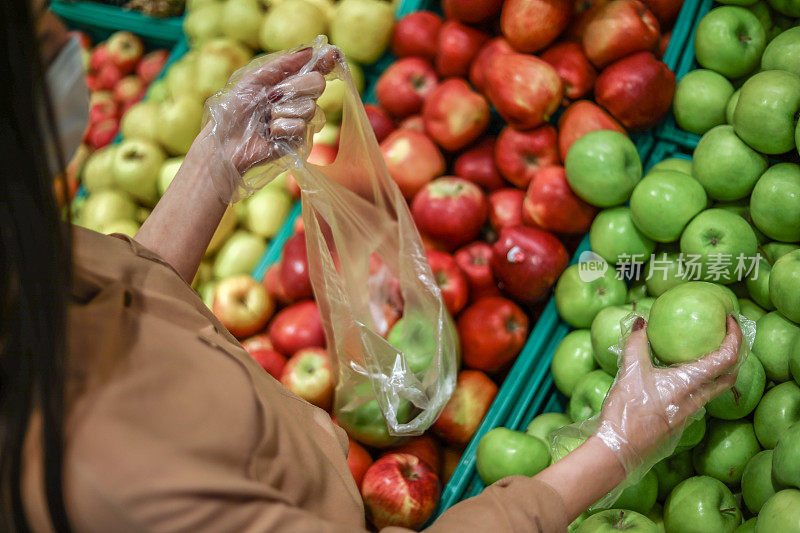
<point x="126" y="406"/>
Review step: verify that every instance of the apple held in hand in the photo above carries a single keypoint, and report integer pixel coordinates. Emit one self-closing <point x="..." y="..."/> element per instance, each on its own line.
<point x="582" y="291"/>
<point x="606" y="334"/>
<point x="309" y="375"/>
<point x="242" y="305"/>
<point x="530" y="25"/>
<point x="741" y="399"/>
<point x="464" y="412"/>
<point x="525" y="90"/>
<point x="580" y="118"/>
<point x="455" y="115"/>
<point x="704" y="503"/>
<point x="701" y="99"/>
<point x="456" y="47"/>
<point x="572" y="359"/>
<point x="725" y="166"/>
<point x="573" y="67"/>
<point x="296" y="327"/>
<point x="492" y="332"/>
<point x="476" y="164"/>
<point x="505" y="208"/>
<point x="450" y="279"/>
<point x="729" y="40"/>
<point x="775" y="203"/>
<point x="503" y="452"/>
<point x="615" y="237"/>
<point x="451" y="210"/>
<point x="416" y="34"/>
<point x="664" y="202"/>
<point x="261" y="349"/>
<point x="550" y="203"/>
<point x="405" y="85"/>
<point x="473" y="259"/>
<point x="484" y="58"/>
<point x="766" y="112"/>
<point x="617" y="520"/>
<point x="784" y="286"/>
<point x="400" y="490"/>
<point x="413" y="160"/>
<point x="618" y="29"/>
<point x="519" y="155"/>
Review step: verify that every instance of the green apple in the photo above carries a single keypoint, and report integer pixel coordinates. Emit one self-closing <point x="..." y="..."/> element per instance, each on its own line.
<point x="725" y="450"/>
<point x="564" y="445"/>
<point x="644" y="305"/>
<point x="700" y="100"/>
<point x="692" y="435"/>
<point x="731" y="106"/>
<point x="757" y="282"/>
<point x="414" y="336"/>
<point x="572" y="359"/>
<point x="784" y="285"/>
<point x="758" y="484"/>
<point x="701" y="504"/>
<point x="671" y="471"/>
<point x="104" y="206"/>
<point x="750" y="310"/>
<point x="167" y="173"/>
<point x="763" y="13"/>
<point x="503" y="452"/>
<point x="656" y="514"/>
<point x="603" y="167"/>
<point x="579" y="301"/>
<point x="790" y="8"/>
<point x="203" y="22"/>
<point x="729" y="40"/>
<point x="291" y="23"/>
<point x="775" y="338"/>
<point x="778" y="410"/>
<point x="612" y="520"/>
<point x="141" y="121"/>
<point x="640" y="496"/>
<point x="179" y="123"/>
<point x="698" y="311"/>
<point x="614" y="237"/>
<point x="746" y="3"/>
<point x="573" y="527"/>
<point x="783" y="53"/>
<point x="775" y="203"/>
<point x="266" y="211"/>
<point x="748" y="526"/>
<point x="329" y="134"/>
<point x="606" y="332"/>
<point x="786" y="458"/>
<point x="223" y="231"/>
<point x="239" y="255"/>
<point x="544" y="424"/>
<point x="781" y="513"/>
<point x="794" y="363"/>
<point x="717" y="239"/>
<point x="123" y="226"/>
<point x="157" y="92"/>
<point x="663" y="203"/>
<point x="740" y="400"/>
<point x="362" y="29"/>
<point x="636" y="291"/>
<point x="241" y="20"/>
<point x="98" y="172"/>
<point x="332" y="99"/>
<point x="725" y="166"/>
<point x="359" y="414"/>
<point x="136" y="166"/>
<point x="678" y="164"/>
<point x="588" y="395"/>
<point x="181" y="78"/>
<point x="664" y="271"/>
<point x="765" y="115"/>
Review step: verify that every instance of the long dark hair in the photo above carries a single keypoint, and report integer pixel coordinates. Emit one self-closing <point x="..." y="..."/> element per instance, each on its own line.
<point x="34" y="267"/>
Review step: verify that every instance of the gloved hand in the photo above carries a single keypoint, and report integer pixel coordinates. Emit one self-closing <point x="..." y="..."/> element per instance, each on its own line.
<point x="266" y="110"/>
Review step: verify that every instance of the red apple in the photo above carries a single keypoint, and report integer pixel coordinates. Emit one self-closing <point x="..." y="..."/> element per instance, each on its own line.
<point x="666" y="11"/>
<point x="425" y="447"/>
<point x="550" y="204"/>
<point x="505" y="208"/>
<point x="451" y="210"/>
<point x="450" y="279"/>
<point x="102" y="106"/>
<point x="464" y="412"/>
<point x="124" y="50"/>
<point x="473" y="259"/>
<point x="456" y="48"/>
<point x="663" y="43"/>
<point x="455" y="115"/>
<point x="242" y="305"/>
<point x="294" y="269"/>
<point x="618" y="29"/>
<point x="584" y="12"/>
<point x="381" y="124"/>
<point x="493" y="331"/>
<point x="151" y="64"/>
<point x="98" y="58"/>
<point x="580" y="118"/>
<point x="417" y="34"/>
<point x="527" y="261"/>
<point x="296" y="327"/>
<point x="477" y="71"/>
<point x="471" y="11"/>
<point x="452" y="457"/>
<point x="273" y="284"/>
<point x="477" y="165"/>
<point x="636" y="90"/>
<point x="129" y="89"/>
<point x="108" y="76"/>
<point x="525" y="90"/>
<point x="573" y="67"/>
<point x="531" y="25"/>
<point x="359" y="461"/>
<point x="261" y="349"/>
<point x="308" y="374"/>
<point x="520" y="154"/>
<point x="102" y="133"/>
<point x="403" y="87"/>
<point x="414" y="123"/>
<point x="413" y="160"/>
<point x="400" y="490"/>
<point x="91" y="82"/>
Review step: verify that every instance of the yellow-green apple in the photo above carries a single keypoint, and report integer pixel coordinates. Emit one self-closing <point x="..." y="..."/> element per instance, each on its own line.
<point x="786" y="458"/>
<point x="293" y="22"/>
<point x="580" y="118"/>
<point x="766" y="113"/>
<point x="309" y="374"/>
<point x="136" y="165"/>
<point x="405" y="85"/>
<point x="741" y="399"/>
<point x="122" y="226"/>
<point x="725" y="450"/>
<point x="266" y="211"/>
<point x="400" y="490"/>
<point x="603" y="167"/>
<point x="527" y="262"/>
<point x="664" y="202"/>
<point x="261" y="349"/>
<point x="471" y="11"/>
<point x="784" y="285"/>
<point x="573" y="67"/>
<point x="203" y="23"/>
<point x="241" y="20"/>
<point x="783" y="52"/>
<point x="778" y="410"/>
<point x="505" y="208"/>
<point x="581" y="294"/>
<point x="775" y="203"/>
<point x="456" y="47"/>
<point x="781" y="512"/>
<point x="525" y="90"/>
<point x="464" y="411"/>
<point x="476" y="164"/>
<point x="504" y="452"/>
<point x="98" y="172"/>
<point x="606" y="333"/>
<point x="413" y="160"/>
<point x="588" y="395"/>
<point x="449" y="209"/>
<point x="167" y="173"/>
<point x="359" y="460"/>
<point x="615" y="237"/>
<point x="572" y="359"/>
<point x="729" y="40"/>
<point x="725" y="166"/>
<point x="454" y="114"/>
<point x="701" y="504"/>
<point x="550" y="204"/>
<point x="217" y="60"/>
<point x="473" y="259"/>
<point x="357" y="411"/>
<point x="415" y="337"/>
<point x="671" y="471"/>
<point x="485" y="56"/>
<point x="141" y="121"/>
<point x="544" y="424"/>
<point x="416" y="34"/>
<point x="239" y="255"/>
<point x="640" y="496"/>
<point x="637" y="90"/>
<point x="775" y="339"/>
<point x="531" y="25"/>
<point x="492" y="332"/>
<point x="519" y="155"/>
<point x="179" y="123"/>
<point x="618" y="29"/>
<point x="700" y="101"/>
<point x="296" y="327"/>
<point x="758" y="483"/>
<point x="124" y="49"/>
<point x="242" y="305"/>
<point x="362" y="29"/>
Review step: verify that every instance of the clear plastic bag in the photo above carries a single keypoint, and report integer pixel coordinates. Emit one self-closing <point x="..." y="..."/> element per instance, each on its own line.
<point x="367" y="263"/>
<point x="643" y="386"/>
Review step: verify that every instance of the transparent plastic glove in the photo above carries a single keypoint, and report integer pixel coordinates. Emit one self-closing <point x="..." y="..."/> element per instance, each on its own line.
<point x="648" y="407"/>
<point x="267" y="110"/>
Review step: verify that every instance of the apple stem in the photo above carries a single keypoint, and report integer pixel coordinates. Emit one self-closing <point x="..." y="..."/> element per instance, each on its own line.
<point x="621" y="519"/>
